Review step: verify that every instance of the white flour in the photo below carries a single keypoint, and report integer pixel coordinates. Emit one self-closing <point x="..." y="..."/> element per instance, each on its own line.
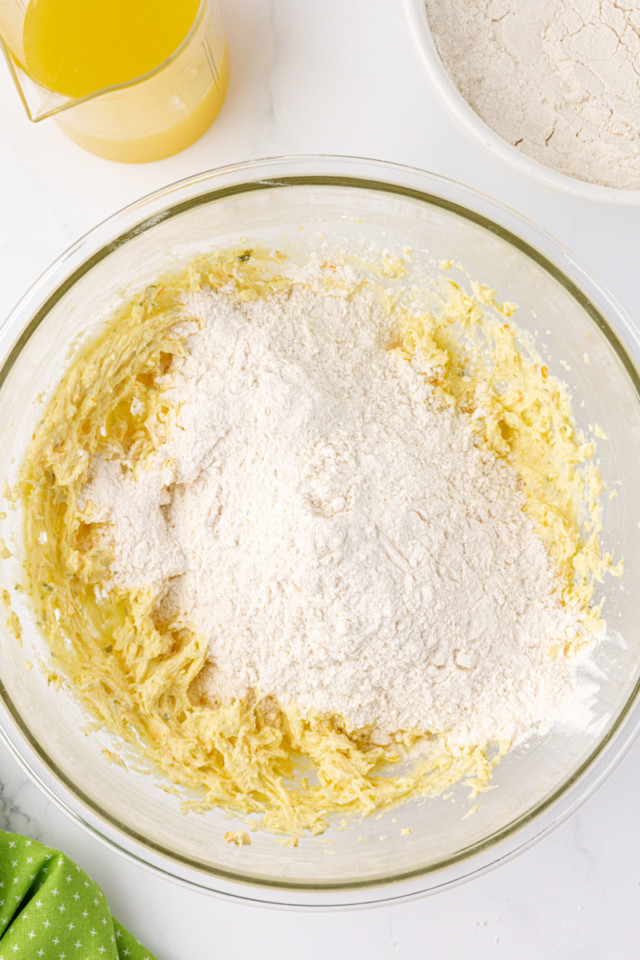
<point x="335" y="534"/>
<point x="559" y="80"/>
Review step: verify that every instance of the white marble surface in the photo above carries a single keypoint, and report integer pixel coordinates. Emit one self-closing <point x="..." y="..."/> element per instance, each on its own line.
<point x="334" y="76"/>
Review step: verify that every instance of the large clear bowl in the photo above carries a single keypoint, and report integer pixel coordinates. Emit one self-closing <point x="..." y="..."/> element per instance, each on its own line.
<point x="338" y="201"/>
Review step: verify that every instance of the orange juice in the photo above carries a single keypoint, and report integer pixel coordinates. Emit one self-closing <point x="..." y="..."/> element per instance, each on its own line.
<point x="169" y="54"/>
<point x="76" y="47"/>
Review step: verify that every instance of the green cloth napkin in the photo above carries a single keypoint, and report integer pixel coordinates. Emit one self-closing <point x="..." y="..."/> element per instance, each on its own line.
<point x="51" y="909"/>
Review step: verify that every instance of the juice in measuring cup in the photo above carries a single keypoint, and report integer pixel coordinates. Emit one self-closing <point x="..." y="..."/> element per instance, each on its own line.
<point x="170" y="54"/>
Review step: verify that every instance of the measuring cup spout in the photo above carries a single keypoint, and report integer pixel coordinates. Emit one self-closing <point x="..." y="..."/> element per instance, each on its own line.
<point x="37" y="101"/>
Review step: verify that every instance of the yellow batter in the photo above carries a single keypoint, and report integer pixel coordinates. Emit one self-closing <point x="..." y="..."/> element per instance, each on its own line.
<point x="138" y="676"/>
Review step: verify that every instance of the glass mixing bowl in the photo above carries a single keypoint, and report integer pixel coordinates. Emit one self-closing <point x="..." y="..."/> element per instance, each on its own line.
<point x="308" y="201"/>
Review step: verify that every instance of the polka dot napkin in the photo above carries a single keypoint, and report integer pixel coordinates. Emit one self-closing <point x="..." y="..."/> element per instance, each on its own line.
<point x="51" y="909"/>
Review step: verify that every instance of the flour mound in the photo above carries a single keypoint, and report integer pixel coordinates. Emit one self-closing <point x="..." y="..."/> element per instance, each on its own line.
<point x="335" y="532"/>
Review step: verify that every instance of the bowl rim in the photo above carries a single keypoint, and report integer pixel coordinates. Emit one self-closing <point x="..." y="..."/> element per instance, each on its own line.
<point x="471" y="123"/>
<point x="397" y="180"/>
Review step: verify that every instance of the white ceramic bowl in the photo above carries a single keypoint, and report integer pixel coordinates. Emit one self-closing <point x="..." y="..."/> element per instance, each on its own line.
<point x="292" y="201"/>
<point x="466" y="117"/>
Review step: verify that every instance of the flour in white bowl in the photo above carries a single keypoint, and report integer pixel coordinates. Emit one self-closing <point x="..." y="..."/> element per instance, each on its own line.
<point x="335" y="533"/>
<point x="559" y="80"/>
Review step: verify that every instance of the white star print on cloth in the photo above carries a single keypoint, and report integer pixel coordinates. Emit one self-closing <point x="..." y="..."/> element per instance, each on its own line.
<point x="50" y="908"/>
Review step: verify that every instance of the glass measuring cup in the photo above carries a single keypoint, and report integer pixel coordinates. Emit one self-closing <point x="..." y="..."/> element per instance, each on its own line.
<point x="145" y="118"/>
